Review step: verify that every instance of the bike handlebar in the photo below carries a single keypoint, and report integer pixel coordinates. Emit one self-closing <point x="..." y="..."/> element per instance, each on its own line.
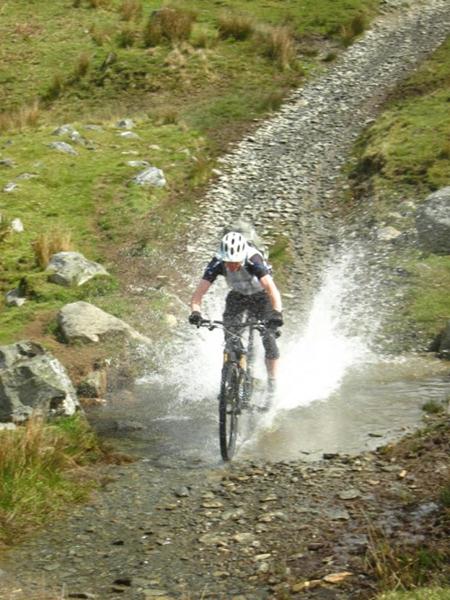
<point x="260" y="326"/>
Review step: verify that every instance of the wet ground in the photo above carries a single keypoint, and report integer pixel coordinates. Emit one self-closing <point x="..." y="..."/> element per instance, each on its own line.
<point x="370" y="405"/>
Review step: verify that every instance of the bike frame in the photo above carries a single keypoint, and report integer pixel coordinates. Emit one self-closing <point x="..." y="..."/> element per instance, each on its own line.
<point x="237" y="352"/>
<point x="236" y="380"/>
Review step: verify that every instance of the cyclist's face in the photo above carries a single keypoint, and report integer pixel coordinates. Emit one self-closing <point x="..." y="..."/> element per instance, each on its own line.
<point x="233" y="266"/>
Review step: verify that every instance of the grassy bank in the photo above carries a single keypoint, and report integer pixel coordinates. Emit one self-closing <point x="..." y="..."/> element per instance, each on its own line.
<point x="192" y="81"/>
<point x="42" y="470"/>
<point x="401" y="158"/>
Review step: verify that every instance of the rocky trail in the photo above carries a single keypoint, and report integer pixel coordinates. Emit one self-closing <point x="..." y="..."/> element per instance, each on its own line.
<point x="284" y="177"/>
<point x="163" y="528"/>
<point x="248" y="530"/>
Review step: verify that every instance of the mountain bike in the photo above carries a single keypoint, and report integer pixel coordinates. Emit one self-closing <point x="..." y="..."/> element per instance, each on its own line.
<point x="236" y="386"/>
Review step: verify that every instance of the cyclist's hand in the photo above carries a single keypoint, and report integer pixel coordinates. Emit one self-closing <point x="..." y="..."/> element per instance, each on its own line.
<point x="275" y="319"/>
<point x="195" y="318"/>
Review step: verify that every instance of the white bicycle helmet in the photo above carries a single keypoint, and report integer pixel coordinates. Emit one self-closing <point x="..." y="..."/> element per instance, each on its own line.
<point x="233" y="247"/>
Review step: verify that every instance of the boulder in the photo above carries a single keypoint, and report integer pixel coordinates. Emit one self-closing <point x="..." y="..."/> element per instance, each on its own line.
<point x="84" y="322"/>
<point x="14" y="298"/>
<point x="433" y="222"/>
<point x="10" y="187"/>
<point x="63" y="147"/>
<point x="72" y="268"/>
<point x="64" y="130"/>
<point x="151" y="176"/>
<point x="33" y="380"/>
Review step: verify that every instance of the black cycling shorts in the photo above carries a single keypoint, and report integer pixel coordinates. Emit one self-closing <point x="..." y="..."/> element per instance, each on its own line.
<point x="254" y="305"/>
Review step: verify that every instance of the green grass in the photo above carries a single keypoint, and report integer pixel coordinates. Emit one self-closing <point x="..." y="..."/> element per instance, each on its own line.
<point x="41" y="471"/>
<point x="70" y="62"/>
<point x="405" y="155"/>
<point x="408" y="148"/>
<point x="428" y="301"/>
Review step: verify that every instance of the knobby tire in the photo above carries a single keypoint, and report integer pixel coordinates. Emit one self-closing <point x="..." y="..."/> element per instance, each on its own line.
<point x="229" y="408"/>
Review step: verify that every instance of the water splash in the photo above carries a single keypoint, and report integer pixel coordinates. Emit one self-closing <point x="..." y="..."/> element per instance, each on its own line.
<point x="336" y="338"/>
<point x="315" y="358"/>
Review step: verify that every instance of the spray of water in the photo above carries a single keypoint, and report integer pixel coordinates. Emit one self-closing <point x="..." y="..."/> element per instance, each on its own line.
<point x="335" y="338"/>
<point x="314" y="359"/>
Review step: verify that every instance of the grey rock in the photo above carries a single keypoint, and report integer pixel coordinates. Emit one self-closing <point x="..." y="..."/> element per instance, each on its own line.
<point x="27" y="176"/>
<point x="125" y="124"/>
<point x="31" y="380"/>
<point x="14" y="298"/>
<point x="129" y="135"/>
<point x="388" y="234"/>
<point x="350" y="494"/>
<point x="64" y="130"/>
<point x="7" y="162"/>
<point x="63" y="147"/>
<point x="10" y="187"/>
<point x="151" y="176"/>
<point x="84" y="322"/>
<point x="433" y="222"/>
<point x="138" y="163"/>
<point x="337" y="514"/>
<point x="17" y="225"/>
<point x="72" y="268"/>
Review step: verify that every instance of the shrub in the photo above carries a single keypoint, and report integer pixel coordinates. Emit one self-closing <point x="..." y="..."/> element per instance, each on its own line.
<point x="126" y="37"/>
<point x="82" y="65"/>
<point x="100" y="36"/>
<point x="278" y="44"/>
<point x="37" y="464"/>
<point x="202" y="38"/>
<point x="131" y="10"/>
<point x="98" y="3"/>
<point x="48" y="244"/>
<point x="350" y="31"/>
<point x="168" y="24"/>
<point x="25" y="116"/>
<point x="273" y="100"/>
<point x="5" y="228"/>
<point x="55" y="88"/>
<point x="166" y="116"/>
<point x="239" y="27"/>
<point x="432" y="407"/>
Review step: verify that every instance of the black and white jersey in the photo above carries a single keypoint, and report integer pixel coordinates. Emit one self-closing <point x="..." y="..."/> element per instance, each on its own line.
<point x="246" y="279"/>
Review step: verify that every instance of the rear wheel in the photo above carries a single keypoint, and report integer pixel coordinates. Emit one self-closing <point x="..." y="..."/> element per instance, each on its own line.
<point x="229" y="409"/>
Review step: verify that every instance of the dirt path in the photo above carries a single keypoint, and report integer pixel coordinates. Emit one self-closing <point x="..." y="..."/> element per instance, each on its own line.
<point x="250" y="531"/>
<point x="244" y="531"/>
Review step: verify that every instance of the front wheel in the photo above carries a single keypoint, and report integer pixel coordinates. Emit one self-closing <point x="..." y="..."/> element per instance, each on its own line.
<point x="229" y="408"/>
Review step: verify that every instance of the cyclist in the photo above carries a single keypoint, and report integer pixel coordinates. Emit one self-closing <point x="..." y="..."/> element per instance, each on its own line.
<point x="253" y="291"/>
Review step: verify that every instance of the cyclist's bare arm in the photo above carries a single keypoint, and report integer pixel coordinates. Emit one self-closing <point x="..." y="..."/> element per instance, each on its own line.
<point x="197" y="296"/>
<point x="275" y="297"/>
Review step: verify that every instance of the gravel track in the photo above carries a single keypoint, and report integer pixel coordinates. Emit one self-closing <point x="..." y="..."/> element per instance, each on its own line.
<point x="283" y="176"/>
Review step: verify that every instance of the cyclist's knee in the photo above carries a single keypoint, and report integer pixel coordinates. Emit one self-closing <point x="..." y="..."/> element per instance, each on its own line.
<point x="271" y="347"/>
